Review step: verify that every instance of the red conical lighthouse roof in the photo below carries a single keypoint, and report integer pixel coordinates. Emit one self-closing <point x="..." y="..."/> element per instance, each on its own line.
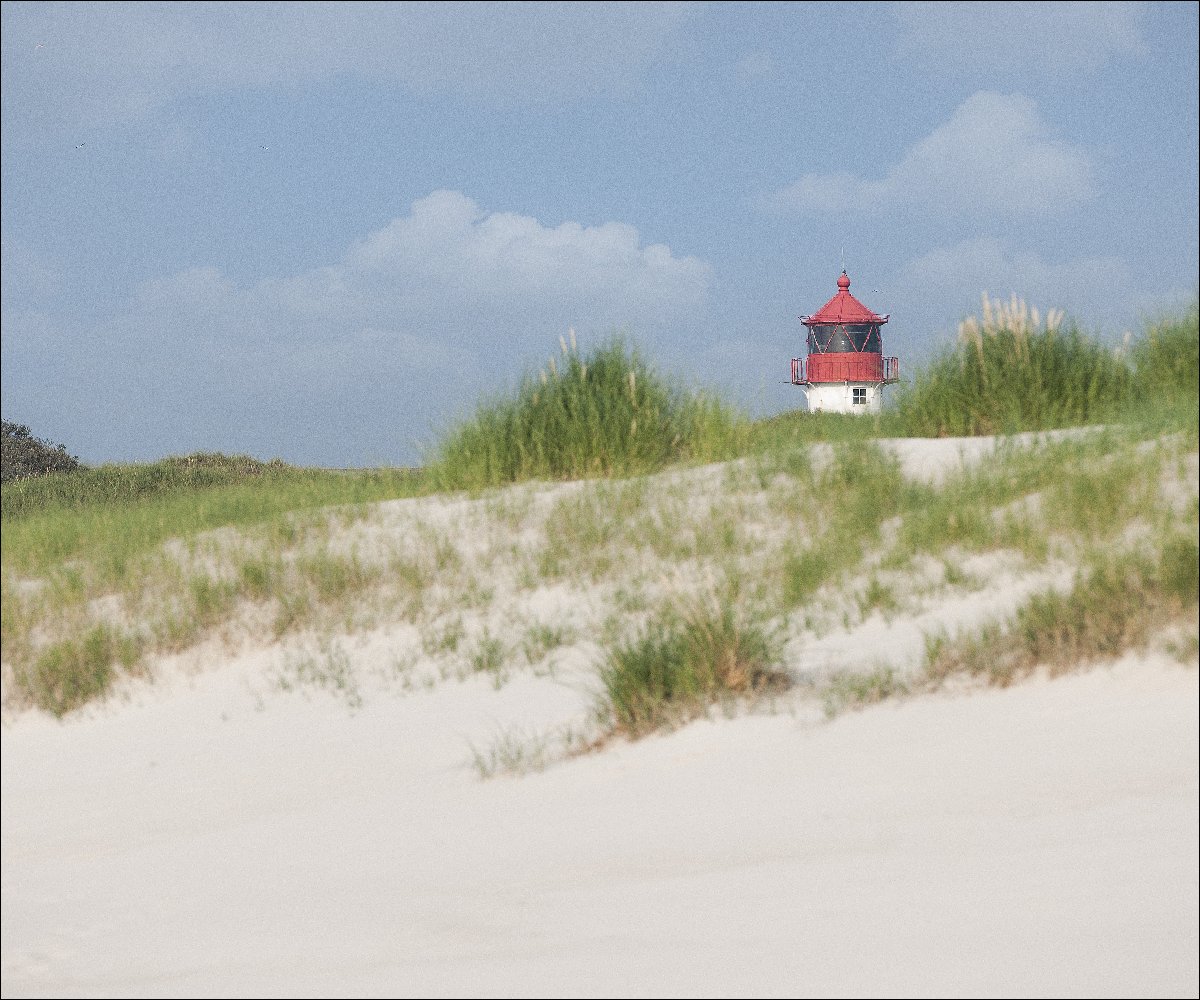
<point x="843" y="308"/>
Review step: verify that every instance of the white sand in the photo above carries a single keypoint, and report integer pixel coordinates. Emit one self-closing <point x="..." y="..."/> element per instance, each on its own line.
<point x="212" y="835"/>
<point x="1039" y="840"/>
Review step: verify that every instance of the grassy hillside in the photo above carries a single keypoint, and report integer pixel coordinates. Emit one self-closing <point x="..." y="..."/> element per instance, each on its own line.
<point x="111" y="513"/>
<point x="106" y="569"/>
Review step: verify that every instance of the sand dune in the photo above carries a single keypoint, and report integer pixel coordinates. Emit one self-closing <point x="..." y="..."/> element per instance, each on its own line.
<point x="216" y="833"/>
<point x="1037" y="840"/>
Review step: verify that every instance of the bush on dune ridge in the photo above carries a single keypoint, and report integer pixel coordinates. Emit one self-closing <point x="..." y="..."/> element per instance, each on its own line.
<point x="119" y="483"/>
<point x="604" y="414"/>
<point x="22" y="456"/>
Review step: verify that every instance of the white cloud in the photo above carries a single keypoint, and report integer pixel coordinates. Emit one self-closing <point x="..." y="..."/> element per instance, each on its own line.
<point x="1096" y="291"/>
<point x="492" y="279"/>
<point x="412" y="323"/>
<point x="1020" y="38"/>
<point x="90" y="64"/>
<point x="454" y="272"/>
<point x="834" y="192"/>
<point x="449" y="245"/>
<point x="991" y="264"/>
<point x="992" y="157"/>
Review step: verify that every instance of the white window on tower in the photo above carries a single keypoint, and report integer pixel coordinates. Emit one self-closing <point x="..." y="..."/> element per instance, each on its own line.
<point x="860" y="395"/>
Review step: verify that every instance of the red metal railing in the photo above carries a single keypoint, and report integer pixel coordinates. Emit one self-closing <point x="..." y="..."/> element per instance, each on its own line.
<point x="844" y="368"/>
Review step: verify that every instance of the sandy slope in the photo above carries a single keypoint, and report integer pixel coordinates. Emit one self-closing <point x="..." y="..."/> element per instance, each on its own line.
<point x="213" y="834"/>
<point x="1036" y="840"/>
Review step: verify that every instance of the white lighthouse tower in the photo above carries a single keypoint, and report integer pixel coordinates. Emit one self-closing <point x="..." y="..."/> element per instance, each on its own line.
<point x="845" y="370"/>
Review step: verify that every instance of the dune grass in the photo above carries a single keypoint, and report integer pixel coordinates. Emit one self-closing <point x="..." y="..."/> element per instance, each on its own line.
<point x="840" y="511"/>
<point x="849" y="689"/>
<point x="129" y="483"/>
<point x="684" y="661"/>
<point x="1118" y="602"/>
<point x="1165" y="361"/>
<point x="110" y="514"/>
<point x="134" y="556"/>
<point x="69" y="673"/>
<point x="606" y="413"/>
<point x="850" y="527"/>
<point x="517" y="751"/>
<point x="1080" y="488"/>
<point x="1010" y="372"/>
<point x="786" y="432"/>
<point x="859" y="522"/>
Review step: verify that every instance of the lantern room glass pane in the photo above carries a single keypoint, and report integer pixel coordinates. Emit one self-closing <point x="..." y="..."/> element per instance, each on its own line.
<point x="828" y="338"/>
<point x="865" y="337"/>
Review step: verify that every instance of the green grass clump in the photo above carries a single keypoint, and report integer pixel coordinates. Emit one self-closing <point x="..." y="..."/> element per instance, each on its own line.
<point x="682" y="663"/>
<point x="805" y="570"/>
<point x="330" y="669"/>
<point x="516" y="751"/>
<point x="1166" y="360"/>
<point x="333" y="577"/>
<point x="1117" y="603"/>
<point x="785" y="432"/>
<point x="70" y="673"/>
<point x="489" y="658"/>
<point x="605" y="414"/>
<point x="1010" y="373"/>
<point x="846" y="690"/>
<point x="843" y="510"/>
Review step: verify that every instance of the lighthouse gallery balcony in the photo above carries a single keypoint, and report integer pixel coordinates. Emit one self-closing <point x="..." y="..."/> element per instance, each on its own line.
<point x="850" y="366"/>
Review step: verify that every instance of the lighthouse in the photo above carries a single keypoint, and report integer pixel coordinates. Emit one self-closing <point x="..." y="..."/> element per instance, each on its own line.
<point x="845" y="370"/>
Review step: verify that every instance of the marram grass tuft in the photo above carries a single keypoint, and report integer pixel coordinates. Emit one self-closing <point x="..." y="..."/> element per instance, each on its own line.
<point x="604" y="414"/>
<point x="1010" y="372"/>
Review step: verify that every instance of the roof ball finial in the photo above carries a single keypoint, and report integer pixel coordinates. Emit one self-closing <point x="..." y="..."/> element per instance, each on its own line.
<point x="843" y="280"/>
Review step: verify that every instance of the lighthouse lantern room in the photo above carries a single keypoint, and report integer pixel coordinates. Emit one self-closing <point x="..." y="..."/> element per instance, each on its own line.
<point x="845" y="370"/>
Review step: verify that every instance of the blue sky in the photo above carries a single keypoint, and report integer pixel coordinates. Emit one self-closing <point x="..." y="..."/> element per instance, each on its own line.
<point x="321" y="232"/>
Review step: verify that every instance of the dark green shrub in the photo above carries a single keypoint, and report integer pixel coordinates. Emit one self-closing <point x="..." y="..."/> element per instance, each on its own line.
<point x="23" y="456"/>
